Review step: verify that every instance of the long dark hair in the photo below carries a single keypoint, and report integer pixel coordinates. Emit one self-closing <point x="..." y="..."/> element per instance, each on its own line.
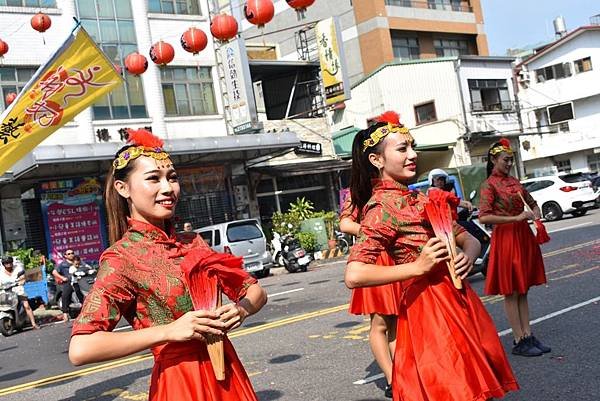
<point x="363" y="171"/>
<point x="117" y="209"/>
<point x="490" y="164"/>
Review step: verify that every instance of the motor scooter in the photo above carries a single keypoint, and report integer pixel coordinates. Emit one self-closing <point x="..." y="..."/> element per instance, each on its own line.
<point x="469" y="220"/>
<point x="293" y="256"/>
<point x="12" y="312"/>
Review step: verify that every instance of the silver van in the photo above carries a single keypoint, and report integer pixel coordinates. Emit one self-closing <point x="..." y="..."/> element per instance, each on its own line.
<point x="242" y="238"/>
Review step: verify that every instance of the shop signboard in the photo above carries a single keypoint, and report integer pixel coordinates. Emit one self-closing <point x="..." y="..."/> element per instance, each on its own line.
<point x="73" y="218"/>
<point x="333" y="61"/>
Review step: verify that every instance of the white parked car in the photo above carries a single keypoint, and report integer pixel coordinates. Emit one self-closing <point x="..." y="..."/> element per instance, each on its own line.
<point x="560" y="194"/>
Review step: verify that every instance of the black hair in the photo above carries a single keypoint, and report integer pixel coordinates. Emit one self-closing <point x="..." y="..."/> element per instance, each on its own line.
<point x="490" y="165"/>
<point x="363" y="171"/>
<point x="7" y="259"/>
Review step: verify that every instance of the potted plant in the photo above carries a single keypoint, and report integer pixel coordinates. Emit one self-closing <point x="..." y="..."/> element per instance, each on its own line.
<point x="331" y="220"/>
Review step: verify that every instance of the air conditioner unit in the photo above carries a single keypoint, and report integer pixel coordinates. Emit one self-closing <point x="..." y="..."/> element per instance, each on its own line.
<point x="525" y="76"/>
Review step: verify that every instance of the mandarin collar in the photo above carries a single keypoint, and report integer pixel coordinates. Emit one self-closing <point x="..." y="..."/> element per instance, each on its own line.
<point x="149" y="230"/>
<point x="380" y="184"/>
<point x="498" y="174"/>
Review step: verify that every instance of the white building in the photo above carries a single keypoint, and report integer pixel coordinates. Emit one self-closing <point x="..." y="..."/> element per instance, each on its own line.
<point x="560" y="99"/>
<point x="455" y="106"/>
<point x="182" y="103"/>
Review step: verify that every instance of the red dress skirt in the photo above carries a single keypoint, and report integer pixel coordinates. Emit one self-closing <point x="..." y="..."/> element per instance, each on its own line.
<point x="515" y="262"/>
<point x="381" y="299"/>
<point x="183" y="372"/>
<point x="447" y="348"/>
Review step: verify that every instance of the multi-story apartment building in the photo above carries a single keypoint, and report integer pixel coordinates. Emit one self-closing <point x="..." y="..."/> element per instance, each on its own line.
<point x="181" y="102"/>
<point x="560" y="98"/>
<point x="375" y="32"/>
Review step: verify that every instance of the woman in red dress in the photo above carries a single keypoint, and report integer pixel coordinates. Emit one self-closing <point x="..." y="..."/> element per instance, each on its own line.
<point x="140" y="278"/>
<point x="381" y="303"/>
<point x="447" y="347"/>
<point x="515" y="262"/>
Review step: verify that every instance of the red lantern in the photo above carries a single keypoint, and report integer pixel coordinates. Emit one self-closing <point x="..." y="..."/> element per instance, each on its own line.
<point x="300" y="6"/>
<point x="194" y="40"/>
<point x="162" y="53"/>
<point x="3" y="48"/>
<point x="259" y="12"/>
<point x="223" y="27"/>
<point x="41" y="22"/>
<point x="136" y="64"/>
<point x="10" y="98"/>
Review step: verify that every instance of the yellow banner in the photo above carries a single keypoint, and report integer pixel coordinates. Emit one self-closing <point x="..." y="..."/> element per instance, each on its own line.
<point x="331" y="57"/>
<point x="74" y="78"/>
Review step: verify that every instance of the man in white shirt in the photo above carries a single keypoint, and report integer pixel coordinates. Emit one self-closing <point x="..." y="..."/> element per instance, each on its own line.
<point x="10" y="274"/>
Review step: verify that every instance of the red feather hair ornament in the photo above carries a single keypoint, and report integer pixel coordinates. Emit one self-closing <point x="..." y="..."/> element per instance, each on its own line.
<point x="389" y="117"/>
<point x="143" y="137"/>
<point x="504" y="142"/>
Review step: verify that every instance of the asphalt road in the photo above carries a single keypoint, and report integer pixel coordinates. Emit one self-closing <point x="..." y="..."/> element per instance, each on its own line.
<point x="305" y="346"/>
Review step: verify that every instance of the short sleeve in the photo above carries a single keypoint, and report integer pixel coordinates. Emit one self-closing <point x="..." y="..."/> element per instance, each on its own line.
<point x="111" y="297"/>
<point x="348" y="211"/>
<point x="376" y="235"/>
<point x="487" y="194"/>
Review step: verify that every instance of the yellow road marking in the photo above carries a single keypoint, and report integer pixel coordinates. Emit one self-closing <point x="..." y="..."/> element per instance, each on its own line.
<point x="571" y="248"/>
<point x="145" y="357"/>
<point x="576" y="273"/>
<point x="560" y="269"/>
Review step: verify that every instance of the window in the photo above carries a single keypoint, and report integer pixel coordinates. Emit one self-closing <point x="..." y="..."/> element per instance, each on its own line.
<point x="563" y="166"/>
<point x="556" y="71"/>
<point x="405" y="48"/>
<point x="450" y="5"/>
<point x="189" y="7"/>
<point x="451" y="47"/>
<point x="12" y="80"/>
<point x="560" y="113"/>
<point x="245" y="231"/>
<point x="29" y="3"/>
<point x="207" y="237"/>
<point x="400" y="3"/>
<point x="110" y="24"/>
<point x="583" y="65"/>
<point x="489" y="95"/>
<point x="594" y="162"/>
<point x="188" y="91"/>
<point x="425" y="113"/>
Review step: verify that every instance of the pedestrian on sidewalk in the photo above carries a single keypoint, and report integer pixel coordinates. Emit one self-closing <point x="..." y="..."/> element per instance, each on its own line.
<point x="380" y="302"/>
<point x="447" y="347"/>
<point x="63" y="275"/>
<point x="11" y="274"/>
<point x="140" y="278"/>
<point x="515" y="263"/>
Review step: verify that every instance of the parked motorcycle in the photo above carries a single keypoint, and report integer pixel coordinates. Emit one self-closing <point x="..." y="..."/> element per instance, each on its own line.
<point x="288" y="253"/>
<point x="12" y="312"/>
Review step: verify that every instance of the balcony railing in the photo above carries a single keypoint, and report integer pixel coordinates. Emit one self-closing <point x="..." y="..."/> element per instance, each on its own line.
<point x="500" y="107"/>
<point x="432" y="5"/>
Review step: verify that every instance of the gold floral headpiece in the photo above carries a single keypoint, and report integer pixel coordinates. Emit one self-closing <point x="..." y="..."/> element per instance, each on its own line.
<point x="380" y="133"/>
<point x="143" y="143"/>
<point x="503" y="146"/>
<point x="133" y="152"/>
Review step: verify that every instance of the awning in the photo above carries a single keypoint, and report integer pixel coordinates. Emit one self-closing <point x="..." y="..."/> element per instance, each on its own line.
<point x="263" y="143"/>
<point x="302" y="166"/>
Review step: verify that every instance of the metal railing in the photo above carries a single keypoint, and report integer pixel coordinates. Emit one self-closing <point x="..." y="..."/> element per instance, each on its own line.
<point x="431" y="5"/>
<point x="504" y="107"/>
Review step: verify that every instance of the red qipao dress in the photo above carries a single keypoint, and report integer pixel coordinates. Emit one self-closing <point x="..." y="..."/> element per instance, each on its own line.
<point x="447" y="348"/>
<point x="140" y="279"/>
<point x="515" y="261"/>
<point x="381" y="299"/>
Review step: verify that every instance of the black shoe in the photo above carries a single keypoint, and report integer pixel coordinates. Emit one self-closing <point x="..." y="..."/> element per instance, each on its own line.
<point x="388" y="391"/>
<point x="536" y="343"/>
<point x="525" y="348"/>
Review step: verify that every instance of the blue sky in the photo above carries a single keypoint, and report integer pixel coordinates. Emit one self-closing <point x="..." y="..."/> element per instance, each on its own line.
<point x="518" y="23"/>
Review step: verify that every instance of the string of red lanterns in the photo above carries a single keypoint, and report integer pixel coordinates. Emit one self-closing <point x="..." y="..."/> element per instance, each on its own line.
<point x="259" y="12"/>
<point x="300" y="6"/>
<point x="10" y="97"/>
<point x="194" y="40"/>
<point x="136" y="63"/>
<point x="3" y="48"/>
<point x="41" y="22"/>
<point x="223" y="27"/>
<point x="162" y="53"/>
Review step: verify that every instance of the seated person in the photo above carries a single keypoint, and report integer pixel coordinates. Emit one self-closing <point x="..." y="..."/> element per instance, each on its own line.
<point x="11" y="274"/>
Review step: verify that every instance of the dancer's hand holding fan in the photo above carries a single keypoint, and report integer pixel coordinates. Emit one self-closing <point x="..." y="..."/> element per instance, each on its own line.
<point x="541" y="234"/>
<point x="439" y="214"/>
<point x="205" y="272"/>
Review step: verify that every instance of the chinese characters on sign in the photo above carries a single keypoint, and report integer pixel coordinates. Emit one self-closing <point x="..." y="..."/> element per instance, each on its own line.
<point x="313" y="148"/>
<point x="242" y="107"/>
<point x="331" y="57"/>
<point x="73" y="218"/>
